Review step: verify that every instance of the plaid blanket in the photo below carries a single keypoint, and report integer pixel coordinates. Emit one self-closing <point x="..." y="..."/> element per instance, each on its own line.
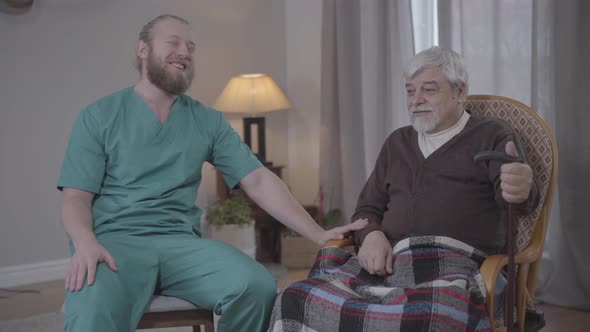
<point x="436" y="286"/>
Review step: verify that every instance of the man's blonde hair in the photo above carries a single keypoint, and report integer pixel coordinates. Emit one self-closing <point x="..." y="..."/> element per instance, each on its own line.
<point x="147" y="32"/>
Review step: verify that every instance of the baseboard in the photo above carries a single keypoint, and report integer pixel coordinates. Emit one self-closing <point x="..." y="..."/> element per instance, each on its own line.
<point x="18" y="275"/>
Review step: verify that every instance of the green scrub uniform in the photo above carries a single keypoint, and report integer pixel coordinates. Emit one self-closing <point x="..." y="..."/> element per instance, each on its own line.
<point x="145" y="175"/>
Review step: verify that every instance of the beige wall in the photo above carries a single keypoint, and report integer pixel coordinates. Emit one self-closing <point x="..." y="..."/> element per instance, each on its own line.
<point x="65" y="54"/>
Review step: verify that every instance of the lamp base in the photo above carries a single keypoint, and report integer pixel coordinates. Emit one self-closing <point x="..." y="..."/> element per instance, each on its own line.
<point x="260" y="149"/>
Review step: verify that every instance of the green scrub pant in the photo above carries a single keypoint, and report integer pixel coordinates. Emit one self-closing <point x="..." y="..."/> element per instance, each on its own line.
<point x="208" y="273"/>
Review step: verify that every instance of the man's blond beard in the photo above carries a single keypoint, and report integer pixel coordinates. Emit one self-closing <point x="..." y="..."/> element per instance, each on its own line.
<point x="158" y="75"/>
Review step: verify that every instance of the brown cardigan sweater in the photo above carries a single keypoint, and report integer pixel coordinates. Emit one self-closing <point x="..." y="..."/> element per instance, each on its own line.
<point x="446" y="194"/>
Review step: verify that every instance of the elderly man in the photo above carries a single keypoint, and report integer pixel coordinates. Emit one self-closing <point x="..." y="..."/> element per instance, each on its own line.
<point x="130" y="179"/>
<point x="439" y="210"/>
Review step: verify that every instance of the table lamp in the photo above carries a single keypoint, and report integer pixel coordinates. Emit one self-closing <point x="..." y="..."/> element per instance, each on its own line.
<point x="252" y="94"/>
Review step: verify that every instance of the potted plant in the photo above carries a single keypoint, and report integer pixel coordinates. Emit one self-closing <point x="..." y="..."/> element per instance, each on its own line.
<point x="231" y="221"/>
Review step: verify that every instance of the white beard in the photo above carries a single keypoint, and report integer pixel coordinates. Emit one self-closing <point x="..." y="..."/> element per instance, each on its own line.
<point x="421" y="124"/>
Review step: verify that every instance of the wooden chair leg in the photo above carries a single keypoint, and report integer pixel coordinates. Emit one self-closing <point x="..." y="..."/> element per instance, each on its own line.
<point x="521" y="298"/>
<point x="208" y="327"/>
<point x="531" y="282"/>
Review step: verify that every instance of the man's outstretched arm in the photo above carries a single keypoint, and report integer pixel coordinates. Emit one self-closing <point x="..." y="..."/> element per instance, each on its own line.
<point x="272" y="195"/>
<point x="76" y="211"/>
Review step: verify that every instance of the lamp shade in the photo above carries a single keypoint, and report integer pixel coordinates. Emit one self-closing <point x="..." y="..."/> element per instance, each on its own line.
<point x="251" y="93"/>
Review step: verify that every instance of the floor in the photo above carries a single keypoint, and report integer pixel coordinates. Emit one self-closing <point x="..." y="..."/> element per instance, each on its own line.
<point x="48" y="297"/>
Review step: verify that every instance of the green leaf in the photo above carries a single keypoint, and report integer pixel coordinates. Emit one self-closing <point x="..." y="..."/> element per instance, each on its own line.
<point x="231" y="211"/>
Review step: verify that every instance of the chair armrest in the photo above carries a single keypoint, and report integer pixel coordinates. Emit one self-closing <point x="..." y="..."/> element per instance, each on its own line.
<point x="339" y="243"/>
<point x="491" y="268"/>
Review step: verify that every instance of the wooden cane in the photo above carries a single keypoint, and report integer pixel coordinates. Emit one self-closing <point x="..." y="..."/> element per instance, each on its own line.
<point x="511" y="232"/>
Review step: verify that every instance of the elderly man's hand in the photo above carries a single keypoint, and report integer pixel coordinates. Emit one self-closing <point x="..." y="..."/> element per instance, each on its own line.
<point x="515" y="178"/>
<point x="375" y="254"/>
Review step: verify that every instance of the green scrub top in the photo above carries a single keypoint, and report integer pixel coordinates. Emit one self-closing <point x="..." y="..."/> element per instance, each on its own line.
<point x="146" y="174"/>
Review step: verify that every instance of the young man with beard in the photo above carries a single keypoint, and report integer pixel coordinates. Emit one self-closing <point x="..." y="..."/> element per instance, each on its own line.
<point x="130" y="179"/>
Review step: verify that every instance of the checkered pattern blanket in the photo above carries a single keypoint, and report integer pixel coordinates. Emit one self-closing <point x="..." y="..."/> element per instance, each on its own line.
<point x="436" y="286"/>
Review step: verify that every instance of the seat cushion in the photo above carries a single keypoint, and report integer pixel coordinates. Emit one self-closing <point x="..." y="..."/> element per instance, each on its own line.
<point x="161" y="303"/>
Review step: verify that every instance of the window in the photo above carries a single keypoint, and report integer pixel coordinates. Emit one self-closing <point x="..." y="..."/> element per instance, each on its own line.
<point x="424" y="24"/>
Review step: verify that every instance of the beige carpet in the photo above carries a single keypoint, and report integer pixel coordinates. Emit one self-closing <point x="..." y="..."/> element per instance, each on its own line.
<point x="42" y="323"/>
<point x="53" y="322"/>
<point x="558" y="320"/>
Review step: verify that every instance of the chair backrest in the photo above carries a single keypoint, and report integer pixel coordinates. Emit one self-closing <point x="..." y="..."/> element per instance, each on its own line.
<point x="541" y="153"/>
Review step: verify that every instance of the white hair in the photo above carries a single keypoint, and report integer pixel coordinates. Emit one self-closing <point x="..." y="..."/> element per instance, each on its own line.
<point x="451" y="63"/>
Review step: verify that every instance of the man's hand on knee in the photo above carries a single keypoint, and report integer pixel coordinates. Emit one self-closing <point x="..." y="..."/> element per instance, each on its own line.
<point x="375" y="254"/>
<point x="85" y="260"/>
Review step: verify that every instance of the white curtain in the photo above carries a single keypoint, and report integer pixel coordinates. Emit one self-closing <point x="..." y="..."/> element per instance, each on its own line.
<point x="537" y="51"/>
<point x="364" y="46"/>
